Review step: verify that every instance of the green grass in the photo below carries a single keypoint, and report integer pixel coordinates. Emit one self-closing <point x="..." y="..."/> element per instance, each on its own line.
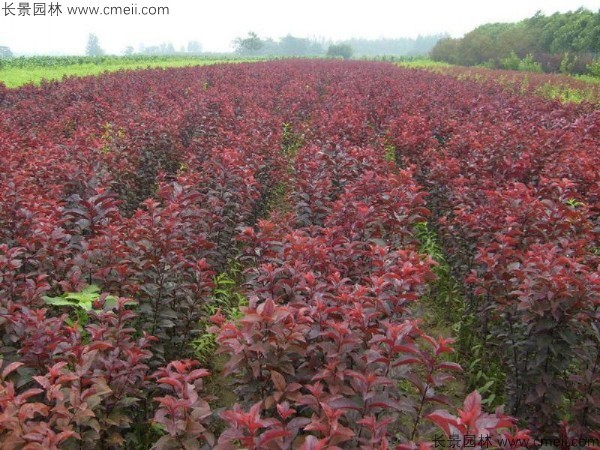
<point x="450" y="314"/>
<point x="20" y="71"/>
<point x="564" y="94"/>
<point x="587" y="78"/>
<point x="423" y="64"/>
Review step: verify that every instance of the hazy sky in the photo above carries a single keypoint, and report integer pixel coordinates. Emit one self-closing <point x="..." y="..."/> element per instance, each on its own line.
<point x="216" y="24"/>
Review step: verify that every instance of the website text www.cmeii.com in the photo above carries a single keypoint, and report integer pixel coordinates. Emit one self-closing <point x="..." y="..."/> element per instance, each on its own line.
<point x="26" y="9"/>
<point x="484" y="442"/>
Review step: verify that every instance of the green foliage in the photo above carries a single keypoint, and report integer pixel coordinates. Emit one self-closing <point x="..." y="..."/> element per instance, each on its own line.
<point x="563" y="93"/>
<point x="567" y="63"/>
<point x="528" y="45"/>
<point x="446" y="50"/>
<point x="511" y="62"/>
<point x="451" y="310"/>
<point x="422" y="63"/>
<point x="594" y="69"/>
<point x="444" y="294"/>
<point x="80" y="303"/>
<point x="428" y="244"/>
<point x="528" y="64"/>
<point x="226" y="299"/>
<point x="251" y="44"/>
<point x="82" y="300"/>
<point x="290" y="140"/>
<point x="390" y="153"/>
<point x="484" y="371"/>
<point x="573" y="203"/>
<point x="205" y="346"/>
<point x="339" y="51"/>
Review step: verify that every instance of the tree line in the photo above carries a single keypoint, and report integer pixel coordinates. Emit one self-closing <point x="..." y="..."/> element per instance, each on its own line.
<point x="253" y="45"/>
<point x="562" y="42"/>
<point x="289" y="45"/>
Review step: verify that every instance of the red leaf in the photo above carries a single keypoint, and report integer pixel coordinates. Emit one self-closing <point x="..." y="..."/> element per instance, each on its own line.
<point x="11" y="368"/>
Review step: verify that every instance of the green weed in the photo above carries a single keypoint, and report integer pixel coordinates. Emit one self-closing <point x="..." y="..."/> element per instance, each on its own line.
<point x="226" y="298"/>
<point x="452" y="314"/>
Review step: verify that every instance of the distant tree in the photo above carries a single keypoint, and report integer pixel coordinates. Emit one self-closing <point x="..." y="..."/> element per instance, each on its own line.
<point x="5" y="52"/>
<point x="446" y="50"/>
<point x="520" y="40"/>
<point x="166" y="48"/>
<point x="194" y="47"/>
<point x="169" y="49"/>
<point x="293" y="46"/>
<point x="476" y="47"/>
<point x="339" y="50"/>
<point x="93" y="46"/>
<point x="150" y="50"/>
<point x="393" y="47"/>
<point x="567" y="42"/>
<point x="269" y="47"/>
<point x="423" y="44"/>
<point x="288" y="46"/>
<point x="128" y="50"/>
<point x="248" y="45"/>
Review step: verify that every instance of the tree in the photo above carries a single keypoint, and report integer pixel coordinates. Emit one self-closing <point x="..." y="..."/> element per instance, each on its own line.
<point x="194" y="47"/>
<point x="129" y="50"/>
<point x="93" y="46"/>
<point x="5" y="52"/>
<point x="567" y="42"/>
<point x="168" y="48"/>
<point x="293" y="46"/>
<point x="477" y="47"/>
<point x="446" y="50"/>
<point x="339" y="50"/>
<point x="248" y="45"/>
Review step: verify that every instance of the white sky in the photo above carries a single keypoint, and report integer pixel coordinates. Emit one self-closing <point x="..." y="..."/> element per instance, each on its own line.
<point x="216" y="24"/>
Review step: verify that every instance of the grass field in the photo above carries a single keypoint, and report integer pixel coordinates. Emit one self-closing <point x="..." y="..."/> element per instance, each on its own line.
<point x="20" y="71"/>
<point x="423" y="64"/>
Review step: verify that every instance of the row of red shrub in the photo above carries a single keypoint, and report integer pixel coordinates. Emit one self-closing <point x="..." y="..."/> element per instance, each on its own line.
<point x="515" y="187"/>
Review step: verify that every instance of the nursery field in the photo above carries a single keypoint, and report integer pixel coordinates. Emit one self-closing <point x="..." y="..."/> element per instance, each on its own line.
<point x="298" y="255"/>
